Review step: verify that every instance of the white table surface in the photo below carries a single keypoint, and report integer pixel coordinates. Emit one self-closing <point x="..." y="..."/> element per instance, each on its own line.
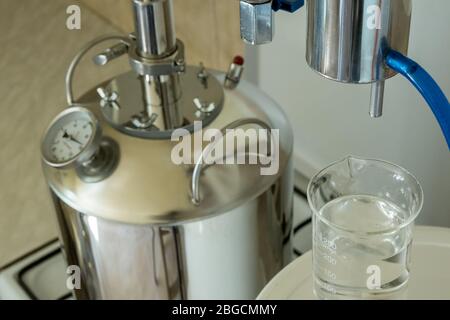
<point x="429" y="279"/>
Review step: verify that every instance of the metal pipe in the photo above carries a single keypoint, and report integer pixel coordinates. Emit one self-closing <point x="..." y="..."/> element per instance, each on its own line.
<point x="155" y="28"/>
<point x="377" y="99"/>
<point x="161" y="95"/>
<point x="156" y="40"/>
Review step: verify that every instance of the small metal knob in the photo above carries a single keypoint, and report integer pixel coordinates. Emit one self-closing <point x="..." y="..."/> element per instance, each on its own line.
<point x="234" y="74"/>
<point x="203" y="76"/>
<point x="110" y="54"/>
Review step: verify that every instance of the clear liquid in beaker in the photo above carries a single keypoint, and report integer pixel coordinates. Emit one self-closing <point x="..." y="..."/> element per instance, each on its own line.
<point x="361" y="249"/>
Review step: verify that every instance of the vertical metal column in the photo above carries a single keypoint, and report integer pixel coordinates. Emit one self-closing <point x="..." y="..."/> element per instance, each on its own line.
<point x="156" y="39"/>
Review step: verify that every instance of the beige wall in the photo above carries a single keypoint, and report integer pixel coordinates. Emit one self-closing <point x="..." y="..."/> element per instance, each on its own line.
<point x="36" y="51"/>
<point x="209" y="28"/>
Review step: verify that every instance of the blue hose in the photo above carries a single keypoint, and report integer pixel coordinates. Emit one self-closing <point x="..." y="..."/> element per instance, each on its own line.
<point x="426" y="85"/>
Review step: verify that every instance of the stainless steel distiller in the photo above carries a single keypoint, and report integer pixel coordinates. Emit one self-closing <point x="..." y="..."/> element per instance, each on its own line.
<point x="141" y="225"/>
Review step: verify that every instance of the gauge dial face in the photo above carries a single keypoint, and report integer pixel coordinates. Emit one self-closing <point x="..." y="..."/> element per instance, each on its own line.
<point x="71" y="136"/>
<point x="71" y="139"/>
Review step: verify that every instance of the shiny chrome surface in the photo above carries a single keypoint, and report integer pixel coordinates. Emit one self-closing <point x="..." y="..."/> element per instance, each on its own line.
<point x="119" y="261"/>
<point x="155" y="29"/>
<point x="102" y="164"/>
<point x="346" y="39"/>
<point x="195" y="184"/>
<point x="156" y="40"/>
<point x="136" y="234"/>
<point x="76" y="60"/>
<point x="146" y="171"/>
<point x="133" y="239"/>
<point x="161" y="95"/>
<point x="110" y="54"/>
<point x="234" y="74"/>
<point x="257" y="21"/>
<point x="376" y="99"/>
<point x="127" y="87"/>
<point x="230" y="256"/>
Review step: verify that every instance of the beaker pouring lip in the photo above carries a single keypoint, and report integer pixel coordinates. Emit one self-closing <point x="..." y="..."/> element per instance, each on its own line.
<point x="351" y="160"/>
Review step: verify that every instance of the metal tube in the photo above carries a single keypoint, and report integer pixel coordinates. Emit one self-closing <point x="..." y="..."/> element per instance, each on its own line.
<point x="155" y="40"/>
<point x="155" y="28"/>
<point x="161" y="95"/>
<point x="376" y="99"/>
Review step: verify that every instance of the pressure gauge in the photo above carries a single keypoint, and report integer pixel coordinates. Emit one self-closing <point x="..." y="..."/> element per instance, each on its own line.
<point x="72" y="138"/>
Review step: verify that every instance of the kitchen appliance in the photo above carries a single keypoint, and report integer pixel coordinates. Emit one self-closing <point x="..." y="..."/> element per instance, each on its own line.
<point x="138" y="222"/>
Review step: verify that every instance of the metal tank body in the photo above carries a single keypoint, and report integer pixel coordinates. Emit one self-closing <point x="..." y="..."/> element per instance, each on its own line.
<point x="137" y="233"/>
<point x="141" y="225"/>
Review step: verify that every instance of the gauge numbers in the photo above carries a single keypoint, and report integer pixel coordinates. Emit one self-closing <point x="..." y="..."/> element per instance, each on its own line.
<point x="71" y="139"/>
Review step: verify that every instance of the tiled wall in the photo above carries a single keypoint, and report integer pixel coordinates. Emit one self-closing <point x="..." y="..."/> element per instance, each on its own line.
<point x="209" y="28"/>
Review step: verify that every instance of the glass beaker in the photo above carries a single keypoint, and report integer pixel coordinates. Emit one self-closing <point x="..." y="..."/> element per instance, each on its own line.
<point x="363" y="219"/>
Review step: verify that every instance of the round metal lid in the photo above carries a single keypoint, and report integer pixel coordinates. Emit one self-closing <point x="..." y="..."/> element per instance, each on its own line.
<point x="147" y="187"/>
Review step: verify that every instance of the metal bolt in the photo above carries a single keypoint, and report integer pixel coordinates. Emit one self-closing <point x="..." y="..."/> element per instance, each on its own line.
<point x="143" y="121"/>
<point x="203" y="107"/>
<point x="108" y="98"/>
<point x="203" y="76"/>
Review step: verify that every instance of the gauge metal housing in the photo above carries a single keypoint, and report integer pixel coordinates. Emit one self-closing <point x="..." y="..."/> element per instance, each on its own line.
<point x="88" y="151"/>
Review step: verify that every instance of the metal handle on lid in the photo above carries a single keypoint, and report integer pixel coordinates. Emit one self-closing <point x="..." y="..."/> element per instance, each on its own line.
<point x="80" y="55"/>
<point x="195" y="182"/>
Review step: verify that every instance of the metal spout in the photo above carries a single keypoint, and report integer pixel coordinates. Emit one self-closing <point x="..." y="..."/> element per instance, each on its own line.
<point x="377" y="99"/>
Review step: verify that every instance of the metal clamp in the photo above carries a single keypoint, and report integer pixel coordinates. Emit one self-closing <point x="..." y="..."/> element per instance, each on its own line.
<point x="170" y="64"/>
<point x="80" y="55"/>
<point x="195" y="181"/>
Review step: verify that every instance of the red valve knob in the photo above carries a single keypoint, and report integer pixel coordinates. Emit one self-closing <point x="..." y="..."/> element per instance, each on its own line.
<point x="239" y="60"/>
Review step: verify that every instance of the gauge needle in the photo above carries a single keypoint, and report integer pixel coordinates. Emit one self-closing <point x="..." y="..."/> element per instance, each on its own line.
<point x="68" y="136"/>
